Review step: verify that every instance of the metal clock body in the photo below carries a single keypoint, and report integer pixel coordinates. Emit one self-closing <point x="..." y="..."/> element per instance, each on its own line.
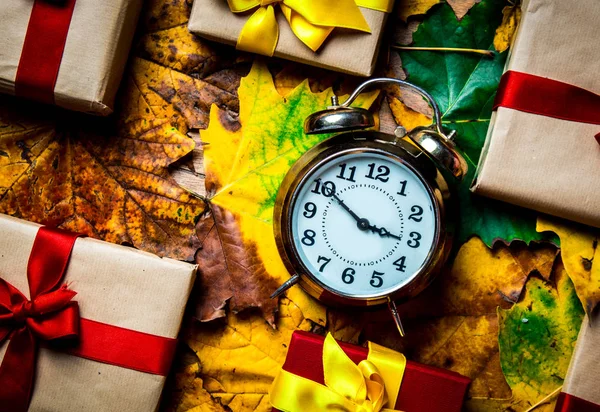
<point x="365" y="218"/>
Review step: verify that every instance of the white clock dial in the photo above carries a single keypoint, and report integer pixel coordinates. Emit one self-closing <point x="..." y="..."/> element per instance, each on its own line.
<point x="363" y="224"/>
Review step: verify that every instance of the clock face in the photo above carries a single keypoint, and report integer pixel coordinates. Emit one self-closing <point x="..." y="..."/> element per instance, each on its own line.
<point x="363" y="224"/>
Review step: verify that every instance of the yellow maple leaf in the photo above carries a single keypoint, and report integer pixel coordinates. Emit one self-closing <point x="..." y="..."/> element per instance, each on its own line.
<point x="239" y="360"/>
<point x="244" y="167"/>
<point x="579" y="250"/>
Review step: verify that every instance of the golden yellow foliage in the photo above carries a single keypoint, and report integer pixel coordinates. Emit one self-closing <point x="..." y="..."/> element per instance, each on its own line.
<point x="511" y="16"/>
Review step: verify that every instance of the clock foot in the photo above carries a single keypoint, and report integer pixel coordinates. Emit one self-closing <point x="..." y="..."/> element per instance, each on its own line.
<point x="396" y="316"/>
<point x="286" y="285"/>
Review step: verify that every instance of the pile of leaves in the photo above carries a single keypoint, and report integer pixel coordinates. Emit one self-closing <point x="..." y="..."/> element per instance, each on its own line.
<point x="505" y="312"/>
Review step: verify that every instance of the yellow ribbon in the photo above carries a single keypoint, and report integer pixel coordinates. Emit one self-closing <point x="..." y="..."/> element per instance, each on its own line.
<point x="371" y="386"/>
<point x="311" y="21"/>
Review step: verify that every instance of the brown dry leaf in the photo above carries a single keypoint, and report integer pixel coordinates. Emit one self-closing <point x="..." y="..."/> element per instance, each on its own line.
<point x="462" y="7"/>
<point x="453" y="324"/>
<point x="64" y="170"/>
<point x="511" y="16"/>
<point x="239" y="359"/>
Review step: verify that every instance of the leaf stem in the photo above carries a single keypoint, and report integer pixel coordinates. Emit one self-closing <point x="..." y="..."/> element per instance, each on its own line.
<point x="546" y="399"/>
<point x="487" y="53"/>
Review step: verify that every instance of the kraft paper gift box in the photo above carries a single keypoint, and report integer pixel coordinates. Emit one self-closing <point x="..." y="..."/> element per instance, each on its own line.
<point x="347" y="51"/>
<point x="71" y="53"/>
<point x="422" y="388"/>
<point x="131" y="304"/>
<point x="581" y="389"/>
<point x="548" y="162"/>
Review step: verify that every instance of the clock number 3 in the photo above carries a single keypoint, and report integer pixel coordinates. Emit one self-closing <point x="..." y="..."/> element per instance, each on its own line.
<point x="414" y="240"/>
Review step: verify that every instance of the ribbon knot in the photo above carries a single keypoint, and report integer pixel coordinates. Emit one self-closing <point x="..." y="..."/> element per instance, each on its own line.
<point x="371" y="386"/>
<point x="311" y="21"/>
<point x="49" y="315"/>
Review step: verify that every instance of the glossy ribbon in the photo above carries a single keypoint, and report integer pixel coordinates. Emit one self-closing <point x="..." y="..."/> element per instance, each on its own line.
<point x="570" y="403"/>
<point x="547" y="97"/>
<point x="371" y="386"/>
<point x="50" y="316"/>
<point x="311" y="21"/>
<point x="43" y="49"/>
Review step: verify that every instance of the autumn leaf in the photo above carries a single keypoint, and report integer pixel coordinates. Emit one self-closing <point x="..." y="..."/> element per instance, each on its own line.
<point x="244" y="168"/>
<point x="579" y="250"/>
<point x="537" y="337"/>
<point x="60" y="169"/>
<point x="462" y="7"/>
<point x="240" y="357"/>
<point x="464" y="86"/>
<point x="453" y="324"/>
<point x="511" y="16"/>
<point x="414" y="7"/>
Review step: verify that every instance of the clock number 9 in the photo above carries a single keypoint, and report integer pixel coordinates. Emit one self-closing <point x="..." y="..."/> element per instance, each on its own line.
<point x="309" y="237"/>
<point x="327" y="189"/>
<point x="348" y="275"/>
<point x="310" y="210"/>
<point x="417" y="213"/>
<point x="413" y="242"/>
<point x="376" y="279"/>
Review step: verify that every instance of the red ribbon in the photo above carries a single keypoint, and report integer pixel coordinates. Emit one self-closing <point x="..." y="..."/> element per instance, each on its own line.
<point x="552" y="98"/>
<point x="43" y="49"/>
<point x="570" y="403"/>
<point x="51" y="315"/>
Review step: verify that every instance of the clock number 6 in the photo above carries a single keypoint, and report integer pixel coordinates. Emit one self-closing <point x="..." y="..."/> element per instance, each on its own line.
<point x="309" y="237"/>
<point x="414" y="240"/>
<point x="348" y="276"/>
<point x="376" y="279"/>
<point x="417" y="213"/>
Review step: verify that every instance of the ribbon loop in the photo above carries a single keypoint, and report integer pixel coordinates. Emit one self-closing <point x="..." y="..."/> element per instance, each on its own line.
<point x="49" y="314"/>
<point x="348" y="387"/>
<point x="311" y="22"/>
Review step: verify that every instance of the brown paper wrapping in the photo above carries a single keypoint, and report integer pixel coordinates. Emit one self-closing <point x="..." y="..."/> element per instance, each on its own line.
<point x="542" y="163"/>
<point x="345" y="51"/>
<point x="584" y="371"/>
<point x="116" y="285"/>
<point x="95" y="53"/>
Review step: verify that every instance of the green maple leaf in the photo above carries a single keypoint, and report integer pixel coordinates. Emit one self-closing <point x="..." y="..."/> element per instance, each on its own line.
<point x="464" y="86"/>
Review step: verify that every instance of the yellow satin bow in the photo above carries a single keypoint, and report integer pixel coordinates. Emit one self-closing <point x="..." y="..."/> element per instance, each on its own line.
<point x="311" y="21"/>
<point x="370" y="386"/>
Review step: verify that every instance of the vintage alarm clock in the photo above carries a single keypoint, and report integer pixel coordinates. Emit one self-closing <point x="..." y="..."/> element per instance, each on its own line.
<point x="363" y="218"/>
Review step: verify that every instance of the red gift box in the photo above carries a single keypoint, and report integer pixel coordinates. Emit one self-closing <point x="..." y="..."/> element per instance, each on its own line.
<point x="424" y="388"/>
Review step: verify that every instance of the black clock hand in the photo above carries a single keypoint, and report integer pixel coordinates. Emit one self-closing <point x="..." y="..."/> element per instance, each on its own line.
<point x="363" y="224"/>
<point x="383" y="232"/>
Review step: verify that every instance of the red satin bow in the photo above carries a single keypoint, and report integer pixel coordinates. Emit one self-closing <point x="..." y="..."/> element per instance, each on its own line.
<point x="547" y="97"/>
<point x="49" y="315"/>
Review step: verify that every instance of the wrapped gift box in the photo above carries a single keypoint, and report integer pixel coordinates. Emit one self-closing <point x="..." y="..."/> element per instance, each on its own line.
<point x="68" y="52"/>
<point x="131" y="305"/>
<point x="346" y="51"/>
<point x="423" y="388"/>
<point x="581" y="392"/>
<point x="548" y="162"/>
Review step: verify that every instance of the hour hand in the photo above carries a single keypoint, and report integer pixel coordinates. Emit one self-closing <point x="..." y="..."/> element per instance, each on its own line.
<point x="383" y="232"/>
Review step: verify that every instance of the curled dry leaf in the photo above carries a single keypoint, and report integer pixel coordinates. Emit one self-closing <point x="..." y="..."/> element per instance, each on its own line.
<point x="239" y="359"/>
<point x="244" y="168"/>
<point x="537" y="337"/>
<point x="462" y="7"/>
<point x="580" y="252"/>
<point x="511" y="16"/>
<point x="59" y="170"/>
